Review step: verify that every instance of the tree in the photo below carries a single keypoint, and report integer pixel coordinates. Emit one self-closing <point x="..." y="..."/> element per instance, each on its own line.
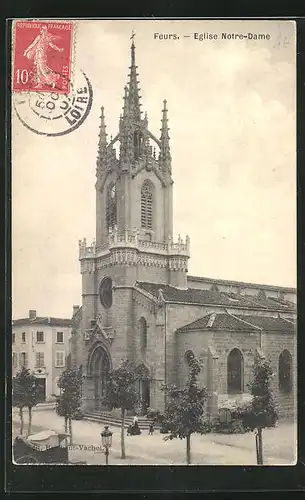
<point x="261" y="412"/>
<point x="25" y="394"/>
<point x="121" y="392"/>
<point x="184" y="410"/>
<point x="68" y="402"/>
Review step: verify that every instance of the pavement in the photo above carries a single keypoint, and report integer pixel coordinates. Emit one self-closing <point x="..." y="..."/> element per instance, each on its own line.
<point x="279" y="443"/>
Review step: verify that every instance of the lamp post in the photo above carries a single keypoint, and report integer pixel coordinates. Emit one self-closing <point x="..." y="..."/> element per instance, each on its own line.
<point x="106" y="436"/>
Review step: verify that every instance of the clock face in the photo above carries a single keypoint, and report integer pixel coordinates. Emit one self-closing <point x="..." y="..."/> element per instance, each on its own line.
<point x="106" y="292"/>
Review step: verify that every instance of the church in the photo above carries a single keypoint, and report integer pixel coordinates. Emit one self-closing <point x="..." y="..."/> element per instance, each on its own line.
<point x="138" y="301"/>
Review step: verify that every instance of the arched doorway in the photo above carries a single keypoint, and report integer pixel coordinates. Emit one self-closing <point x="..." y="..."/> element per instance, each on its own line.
<point x="145" y="395"/>
<point x="143" y="387"/>
<point x="99" y="369"/>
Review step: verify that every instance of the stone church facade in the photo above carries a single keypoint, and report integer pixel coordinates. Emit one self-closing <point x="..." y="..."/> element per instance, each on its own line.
<point x="138" y="301"/>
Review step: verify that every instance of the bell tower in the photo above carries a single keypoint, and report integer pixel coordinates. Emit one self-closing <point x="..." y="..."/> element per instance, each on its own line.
<point x="134" y="214"/>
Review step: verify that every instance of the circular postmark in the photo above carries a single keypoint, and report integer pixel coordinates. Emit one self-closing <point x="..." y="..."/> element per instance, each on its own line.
<point x="52" y="114"/>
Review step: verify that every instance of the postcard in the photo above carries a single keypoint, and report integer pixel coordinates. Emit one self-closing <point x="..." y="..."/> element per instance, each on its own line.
<point x="154" y="242"/>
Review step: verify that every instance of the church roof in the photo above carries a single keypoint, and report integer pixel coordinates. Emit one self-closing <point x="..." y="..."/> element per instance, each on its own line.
<point x="241" y="284"/>
<point x="214" y="297"/>
<point x="224" y="321"/>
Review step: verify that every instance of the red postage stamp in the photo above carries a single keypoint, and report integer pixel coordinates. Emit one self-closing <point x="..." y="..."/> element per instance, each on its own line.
<point x="42" y="56"/>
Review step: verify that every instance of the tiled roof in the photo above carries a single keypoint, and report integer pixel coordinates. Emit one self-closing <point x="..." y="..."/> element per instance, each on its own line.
<point x="270" y="324"/>
<point x="269" y="302"/>
<point x="211" y="297"/>
<point x="43" y="321"/>
<point x="217" y="281"/>
<point x="216" y="321"/>
<point x="223" y="321"/>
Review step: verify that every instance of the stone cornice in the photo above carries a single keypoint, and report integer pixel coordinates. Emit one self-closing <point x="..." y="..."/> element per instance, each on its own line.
<point x="133" y="257"/>
<point x="130" y="239"/>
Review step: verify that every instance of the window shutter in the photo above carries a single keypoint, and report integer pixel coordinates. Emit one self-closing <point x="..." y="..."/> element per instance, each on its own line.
<point x="60" y="359"/>
<point x="147" y="206"/>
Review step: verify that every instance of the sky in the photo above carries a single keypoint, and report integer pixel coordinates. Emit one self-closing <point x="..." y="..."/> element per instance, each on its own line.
<point x="232" y="119"/>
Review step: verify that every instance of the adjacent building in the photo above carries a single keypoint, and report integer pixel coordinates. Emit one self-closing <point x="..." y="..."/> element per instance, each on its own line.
<point x="42" y="345"/>
<point x="139" y="302"/>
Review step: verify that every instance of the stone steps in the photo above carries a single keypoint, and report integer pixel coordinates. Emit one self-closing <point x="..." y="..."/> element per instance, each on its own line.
<point x="111" y="420"/>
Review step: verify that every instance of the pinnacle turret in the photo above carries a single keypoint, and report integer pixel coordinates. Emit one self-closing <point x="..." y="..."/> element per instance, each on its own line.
<point x="165" y="155"/>
<point x="102" y="134"/>
<point x="102" y="144"/>
<point x="126" y="103"/>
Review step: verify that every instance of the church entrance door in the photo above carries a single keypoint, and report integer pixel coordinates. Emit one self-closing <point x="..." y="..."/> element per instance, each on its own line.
<point x="145" y="396"/>
<point x="100" y="366"/>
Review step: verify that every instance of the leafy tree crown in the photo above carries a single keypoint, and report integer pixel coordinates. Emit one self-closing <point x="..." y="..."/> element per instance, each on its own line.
<point x="121" y="391"/>
<point x="185" y="407"/>
<point x="68" y="402"/>
<point x="25" y="390"/>
<point x="261" y="412"/>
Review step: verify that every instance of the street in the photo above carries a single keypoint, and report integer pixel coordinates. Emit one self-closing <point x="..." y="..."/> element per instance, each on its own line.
<point x="210" y="449"/>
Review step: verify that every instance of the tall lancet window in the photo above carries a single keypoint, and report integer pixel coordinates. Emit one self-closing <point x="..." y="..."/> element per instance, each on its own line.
<point x="137" y="144"/>
<point x="143" y="335"/>
<point x="285" y="371"/>
<point x="111" y="206"/>
<point x="147" y="198"/>
<point x="235" y="372"/>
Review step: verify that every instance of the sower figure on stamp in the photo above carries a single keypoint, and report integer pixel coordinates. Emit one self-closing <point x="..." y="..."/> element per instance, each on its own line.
<point x="43" y="74"/>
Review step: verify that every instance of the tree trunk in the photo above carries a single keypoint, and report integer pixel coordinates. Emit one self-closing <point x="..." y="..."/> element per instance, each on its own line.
<point x="188" y="449"/>
<point x="70" y="430"/>
<point x="66" y="430"/>
<point x="260" y="446"/>
<point x="123" y="434"/>
<point x="21" y="420"/>
<point x="30" y="421"/>
<point x="256" y="447"/>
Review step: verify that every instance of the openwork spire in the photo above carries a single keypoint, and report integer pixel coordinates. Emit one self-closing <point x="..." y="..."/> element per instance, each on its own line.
<point x="165" y="155"/>
<point x="133" y="90"/>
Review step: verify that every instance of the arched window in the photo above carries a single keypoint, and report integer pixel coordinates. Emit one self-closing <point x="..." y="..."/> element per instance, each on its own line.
<point x="143" y="334"/>
<point x="111" y="206"/>
<point x="235" y="372"/>
<point x="188" y="357"/>
<point x="147" y="205"/>
<point x="285" y="371"/>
